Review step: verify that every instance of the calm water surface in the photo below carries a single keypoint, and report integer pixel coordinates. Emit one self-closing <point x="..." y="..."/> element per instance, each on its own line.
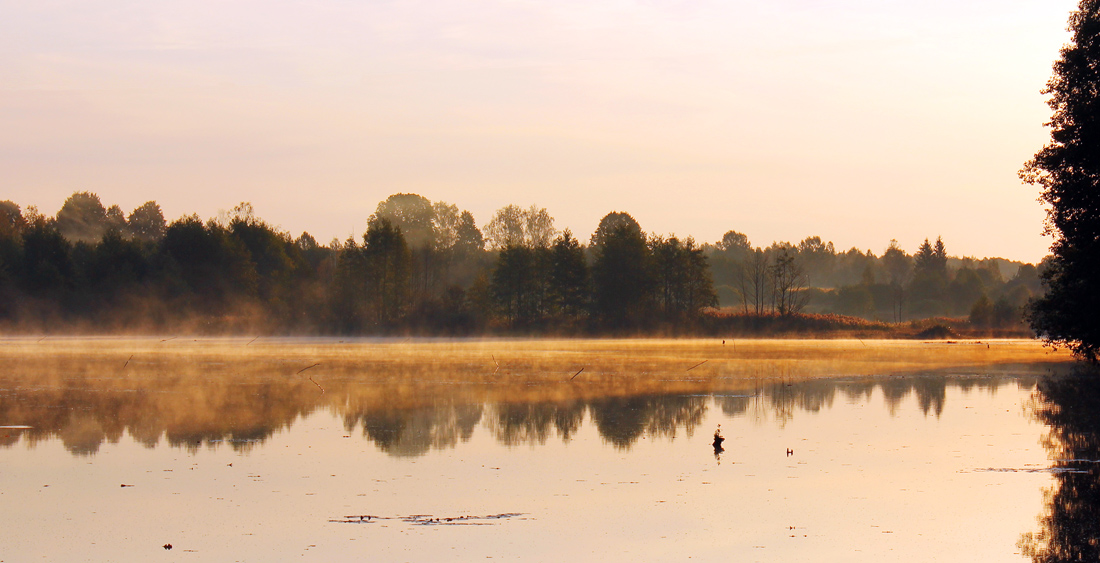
<point x="261" y="450"/>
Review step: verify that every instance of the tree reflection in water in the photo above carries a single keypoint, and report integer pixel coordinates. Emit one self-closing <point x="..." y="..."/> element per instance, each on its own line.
<point x="416" y="431"/>
<point x="622" y="421"/>
<point x="1070" y="525"/>
<point x="530" y="423"/>
<point x="405" y="419"/>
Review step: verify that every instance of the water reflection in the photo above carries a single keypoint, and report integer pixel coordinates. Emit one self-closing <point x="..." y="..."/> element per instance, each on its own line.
<point x="195" y="405"/>
<point x="1070" y="525"/>
<point x="513" y="424"/>
<point x="622" y="421"/>
<point x="416" y="431"/>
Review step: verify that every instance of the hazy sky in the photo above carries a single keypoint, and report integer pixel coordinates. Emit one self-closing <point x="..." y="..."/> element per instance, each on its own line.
<point x="855" y="120"/>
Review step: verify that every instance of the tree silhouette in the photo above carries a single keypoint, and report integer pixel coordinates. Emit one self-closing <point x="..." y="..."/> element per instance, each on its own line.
<point x="622" y="275"/>
<point x="1068" y="172"/>
<point x="388" y="266"/>
<point x="568" y="275"/>
<point x="609" y="223"/>
<point x="82" y="218"/>
<point x="146" y="222"/>
<point x="514" y="284"/>
<point x="790" y="282"/>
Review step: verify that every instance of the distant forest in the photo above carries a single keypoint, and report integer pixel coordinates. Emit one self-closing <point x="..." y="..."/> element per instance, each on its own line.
<point x="426" y="267"/>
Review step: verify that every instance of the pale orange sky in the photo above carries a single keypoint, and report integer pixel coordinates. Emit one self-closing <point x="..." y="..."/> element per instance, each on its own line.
<point x="855" y="120"/>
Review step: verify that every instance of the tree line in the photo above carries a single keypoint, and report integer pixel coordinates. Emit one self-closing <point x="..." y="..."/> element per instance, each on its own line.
<point x="812" y="276"/>
<point x="426" y="267"/>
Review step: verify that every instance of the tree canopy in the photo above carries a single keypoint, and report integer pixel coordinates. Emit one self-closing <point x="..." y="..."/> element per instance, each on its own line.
<point x="1067" y="170"/>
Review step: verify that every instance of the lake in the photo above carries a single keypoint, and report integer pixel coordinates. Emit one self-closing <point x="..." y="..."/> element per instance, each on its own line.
<point x="262" y="449"/>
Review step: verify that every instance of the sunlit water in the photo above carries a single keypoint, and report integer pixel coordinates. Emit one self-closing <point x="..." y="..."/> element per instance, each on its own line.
<point x="237" y="450"/>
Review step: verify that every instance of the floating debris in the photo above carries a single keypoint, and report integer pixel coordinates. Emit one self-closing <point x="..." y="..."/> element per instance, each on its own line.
<point x="429" y="520"/>
<point x="167" y="546"/>
<point x="307" y="367"/>
<point x="1051" y="470"/>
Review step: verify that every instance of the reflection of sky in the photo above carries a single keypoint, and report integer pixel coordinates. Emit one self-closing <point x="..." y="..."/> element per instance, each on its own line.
<point x="870" y="479"/>
<point x="582" y="107"/>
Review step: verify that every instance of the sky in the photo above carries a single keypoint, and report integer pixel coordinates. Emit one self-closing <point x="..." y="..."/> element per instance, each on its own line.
<point x="858" y="121"/>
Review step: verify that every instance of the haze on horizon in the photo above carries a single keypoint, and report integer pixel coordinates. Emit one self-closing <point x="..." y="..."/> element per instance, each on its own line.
<point x="858" y="121"/>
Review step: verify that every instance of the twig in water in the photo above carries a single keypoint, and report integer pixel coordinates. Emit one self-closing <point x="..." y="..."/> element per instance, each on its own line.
<point x="253" y="340"/>
<point x="860" y="341"/>
<point x="307" y="367"/>
<point x="697" y="365"/>
<point x="43" y="338"/>
<point x="318" y="385"/>
<point x="576" y="374"/>
<point x="127" y="361"/>
<point x="497" y="363"/>
<point x="167" y="339"/>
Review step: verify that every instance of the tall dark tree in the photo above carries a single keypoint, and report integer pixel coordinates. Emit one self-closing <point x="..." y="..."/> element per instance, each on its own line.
<point x="206" y="260"/>
<point x="347" y="288"/>
<point x="622" y="276"/>
<point x="1068" y="171"/>
<point x="47" y="259"/>
<point x="928" y="288"/>
<point x="270" y="252"/>
<point x="568" y="275"/>
<point x="515" y="283"/>
<point x="11" y="244"/>
<point x="682" y="276"/>
<point x="388" y="268"/>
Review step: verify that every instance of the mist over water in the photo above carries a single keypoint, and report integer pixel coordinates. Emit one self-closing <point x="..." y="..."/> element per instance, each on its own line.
<point x="276" y="442"/>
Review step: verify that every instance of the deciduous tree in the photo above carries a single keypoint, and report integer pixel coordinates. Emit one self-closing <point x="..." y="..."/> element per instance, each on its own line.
<point x="1068" y="172"/>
